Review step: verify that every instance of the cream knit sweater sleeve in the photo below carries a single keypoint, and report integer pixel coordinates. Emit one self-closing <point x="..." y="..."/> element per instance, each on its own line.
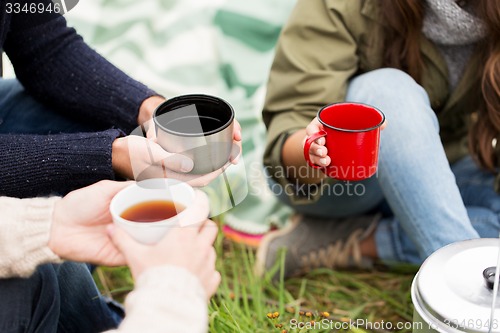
<point x="166" y="299"/>
<point x="24" y="235"/>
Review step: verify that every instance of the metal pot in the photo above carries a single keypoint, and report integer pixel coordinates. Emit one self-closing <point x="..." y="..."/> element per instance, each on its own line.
<point x="452" y="291"/>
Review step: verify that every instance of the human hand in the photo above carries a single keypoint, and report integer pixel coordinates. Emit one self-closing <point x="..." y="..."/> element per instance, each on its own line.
<point x="146" y="111"/>
<point x="187" y="247"/>
<point x="135" y="157"/>
<point x="78" y="230"/>
<point x="149" y="128"/>
<point x="234" y="157"/>
<point x="145" y="120"/>
<point x="318" y="153"/>
<point x="237" y="148"/>
<point x="200" y="180"/>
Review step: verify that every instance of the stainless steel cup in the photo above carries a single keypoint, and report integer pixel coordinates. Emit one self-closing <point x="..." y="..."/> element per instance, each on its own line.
<point x="198" y="126"/>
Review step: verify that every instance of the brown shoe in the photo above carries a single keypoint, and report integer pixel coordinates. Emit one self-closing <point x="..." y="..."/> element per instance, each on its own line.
<point x="312" y="242"/>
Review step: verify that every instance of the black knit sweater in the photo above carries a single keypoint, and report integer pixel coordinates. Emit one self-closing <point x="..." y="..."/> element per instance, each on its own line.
<point x="58" y="69"/>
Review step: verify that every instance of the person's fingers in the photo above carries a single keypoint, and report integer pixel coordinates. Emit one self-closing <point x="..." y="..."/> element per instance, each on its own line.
<point x="321" y="161"/>
<point x="150" y="129"/>
<point x="209" y="223"/>
<point x="196" y="214"/>
<point x="173" y="244"/>
<point x="114" y="259"/>
<point x="236" y="150"/>
<point x="318" y="150"/>
<point x="152" y="171"/>
<point x="212" y="257"/>
<point x="237" y="131"/>
<point x="123" y="242"/>
<point x="208" y="232"/>
<point x="384" y="125"/>
<point x="177" y="163"/>
<point x="321" y="141"/>
<point x="200" y="180"/>
<point x="151" y="133"/>
<point x="207" y="272"/>
<point x="153" y="153"/>
<point x="109" y="188"/>
<point x="150" y="160"/>
<point x="142" y="153"/>
<point x="212" y="284"/>
<point x="313" y="127"/>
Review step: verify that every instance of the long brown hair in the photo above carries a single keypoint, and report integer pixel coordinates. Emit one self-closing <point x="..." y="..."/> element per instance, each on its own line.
<point x="401" y="40"/>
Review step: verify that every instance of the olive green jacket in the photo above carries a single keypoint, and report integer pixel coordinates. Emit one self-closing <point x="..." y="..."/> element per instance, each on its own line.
<point x="327" y="42"/>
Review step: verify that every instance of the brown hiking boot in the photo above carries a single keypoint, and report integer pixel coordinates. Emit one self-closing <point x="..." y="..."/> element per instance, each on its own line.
<point x="312" y="242"/>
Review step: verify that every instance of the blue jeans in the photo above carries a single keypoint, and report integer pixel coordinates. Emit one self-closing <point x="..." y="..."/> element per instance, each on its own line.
<point x="431" y="204"/>
<point x="21" y="114"/>
<point x="56" y="298"/>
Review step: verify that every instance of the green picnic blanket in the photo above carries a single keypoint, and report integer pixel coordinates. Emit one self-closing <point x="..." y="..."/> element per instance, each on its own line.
<point x="218" y="47"/>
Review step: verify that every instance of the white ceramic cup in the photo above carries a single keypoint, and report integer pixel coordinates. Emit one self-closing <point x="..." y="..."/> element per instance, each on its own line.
<point x="195" y="203"/>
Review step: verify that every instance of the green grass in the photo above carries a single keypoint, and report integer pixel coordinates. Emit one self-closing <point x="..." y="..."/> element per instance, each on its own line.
<point x="243" y="302"/>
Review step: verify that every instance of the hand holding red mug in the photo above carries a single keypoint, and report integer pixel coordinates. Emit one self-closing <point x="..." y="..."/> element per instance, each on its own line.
<point x="343" y="140"/>
<point x="318" y="153"/>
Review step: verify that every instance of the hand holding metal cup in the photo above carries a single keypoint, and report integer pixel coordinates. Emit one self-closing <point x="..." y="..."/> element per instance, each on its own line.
<point x="200" y="127"/>
<point x="202" y="130"/>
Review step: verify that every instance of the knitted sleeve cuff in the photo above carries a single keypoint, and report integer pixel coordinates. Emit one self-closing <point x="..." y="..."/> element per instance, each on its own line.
<point x="183" y="311"/>
<point x="41" y="165"/>
<point x="24" y="235"/>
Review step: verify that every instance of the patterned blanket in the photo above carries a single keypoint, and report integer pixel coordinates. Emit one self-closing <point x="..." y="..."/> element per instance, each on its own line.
<point x="217" y="47"/>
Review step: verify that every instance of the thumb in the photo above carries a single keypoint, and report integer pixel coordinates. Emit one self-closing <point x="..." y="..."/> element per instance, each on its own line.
<point x="150" y="128"/>
<point x="178" y="163"/>
<point x="384" y="125"/>
<point x="313" y="127"/>
<point x="196" y="213"/>
<point x="173" y="161"/>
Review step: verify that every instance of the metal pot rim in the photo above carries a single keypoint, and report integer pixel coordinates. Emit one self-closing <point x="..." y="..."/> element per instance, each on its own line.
<point x="449" y="289"/>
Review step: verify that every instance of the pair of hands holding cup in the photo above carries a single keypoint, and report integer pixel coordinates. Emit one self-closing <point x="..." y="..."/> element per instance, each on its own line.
<point x="343" y="140"/>
<point x="138" y="157"/>
<point x="82" y="230"/>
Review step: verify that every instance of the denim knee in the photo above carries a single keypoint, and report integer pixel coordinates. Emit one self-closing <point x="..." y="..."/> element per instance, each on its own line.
<point x="20" y="113"/>
<point x="83" y="309"/>
<point x="387" y="81"/>
<point x="394" y="92"/>
<point x="32" y="304"/>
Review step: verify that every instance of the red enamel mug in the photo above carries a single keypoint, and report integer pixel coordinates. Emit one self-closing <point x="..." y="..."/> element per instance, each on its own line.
<point x="352" y="136"/>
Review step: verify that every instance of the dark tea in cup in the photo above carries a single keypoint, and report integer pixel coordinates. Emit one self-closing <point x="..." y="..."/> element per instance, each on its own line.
<point x="148" y="209"/>
<point x="152" y="211"/>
